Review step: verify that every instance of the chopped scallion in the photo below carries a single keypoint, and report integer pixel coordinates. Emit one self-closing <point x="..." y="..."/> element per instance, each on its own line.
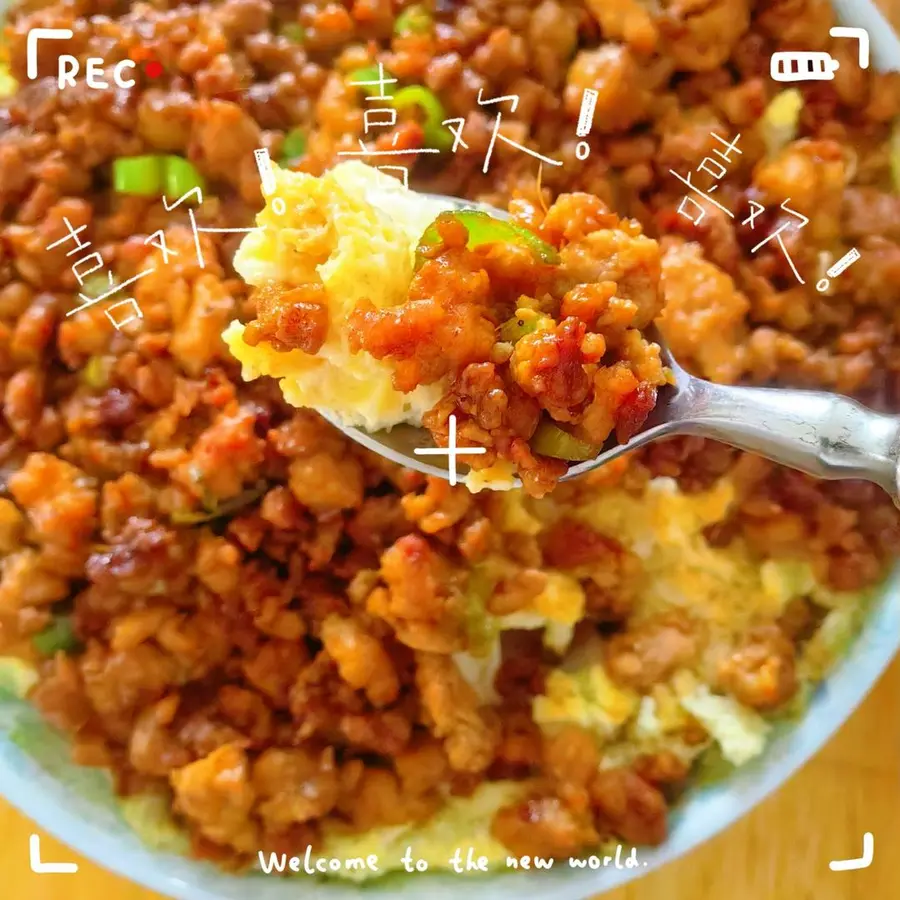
<point x="218" y="510"/>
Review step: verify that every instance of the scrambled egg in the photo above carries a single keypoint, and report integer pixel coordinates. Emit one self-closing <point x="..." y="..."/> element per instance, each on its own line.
<point x="355" y="230"/>
<point x="557" y="609"/>
<point x="499" y="477"/>
<point x="727" y="589"/>
<point x="585" y="697"/>
<point x="740" y="732"/>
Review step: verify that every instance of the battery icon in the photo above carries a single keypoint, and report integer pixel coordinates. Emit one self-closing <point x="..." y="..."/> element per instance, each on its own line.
<point x="266" y="172"/>
<point x="803" y="66"/>
<point x="586" y="113"/>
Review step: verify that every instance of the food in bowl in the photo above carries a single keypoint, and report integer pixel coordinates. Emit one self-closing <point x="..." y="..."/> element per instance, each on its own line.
<point x="529" y="336"/>
<point x="272" y="639"/>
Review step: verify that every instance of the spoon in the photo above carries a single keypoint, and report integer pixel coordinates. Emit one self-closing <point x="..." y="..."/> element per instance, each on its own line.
<point x="826" y="435"/>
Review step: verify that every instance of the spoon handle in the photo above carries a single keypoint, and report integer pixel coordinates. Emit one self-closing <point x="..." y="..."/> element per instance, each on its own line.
<point x="826" y="435"/>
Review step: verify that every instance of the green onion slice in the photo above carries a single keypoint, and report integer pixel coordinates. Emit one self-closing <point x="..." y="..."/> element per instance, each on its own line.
<point x="525" y="321"/>
<point x="97" y="284"/>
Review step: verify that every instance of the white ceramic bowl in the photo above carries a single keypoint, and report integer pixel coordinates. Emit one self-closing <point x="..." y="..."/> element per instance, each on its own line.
<point x="76" y="805"/>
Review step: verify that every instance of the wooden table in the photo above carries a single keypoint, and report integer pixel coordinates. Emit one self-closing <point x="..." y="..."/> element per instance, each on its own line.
<point x="780" y="851"/>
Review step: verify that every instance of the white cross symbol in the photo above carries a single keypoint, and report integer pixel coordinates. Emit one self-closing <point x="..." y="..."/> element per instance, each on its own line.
<point x="451" y="450"/>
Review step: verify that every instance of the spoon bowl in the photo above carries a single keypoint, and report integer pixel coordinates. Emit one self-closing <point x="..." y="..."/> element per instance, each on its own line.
<point x="823" y="434"/>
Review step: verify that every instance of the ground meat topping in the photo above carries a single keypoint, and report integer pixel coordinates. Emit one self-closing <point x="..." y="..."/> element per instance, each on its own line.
<point x="291" y="319"/>
<point x="648" y="653"/>
<point x="470" y="738"/>
<point x="761" y="672"/>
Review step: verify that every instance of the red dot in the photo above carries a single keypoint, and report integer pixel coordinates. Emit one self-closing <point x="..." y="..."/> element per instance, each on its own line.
<point x="153" y="69"/>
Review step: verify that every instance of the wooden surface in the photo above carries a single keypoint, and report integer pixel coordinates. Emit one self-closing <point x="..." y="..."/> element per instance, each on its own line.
<point x="780" y="851"/>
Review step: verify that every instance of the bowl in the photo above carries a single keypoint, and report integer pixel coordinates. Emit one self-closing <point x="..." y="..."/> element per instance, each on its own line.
<point x="76" y="805"/>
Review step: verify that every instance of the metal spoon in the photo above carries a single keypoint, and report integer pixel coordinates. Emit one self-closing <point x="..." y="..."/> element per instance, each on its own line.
<point x="826" y="435"/>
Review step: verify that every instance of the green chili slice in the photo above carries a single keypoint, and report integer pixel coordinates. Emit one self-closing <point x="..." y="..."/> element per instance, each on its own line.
<point x="217" y="510"/>
<point x="485" y="229"/>
<point x="181" y="176"/>
<point x="525" y="321"/>
<point x="155" y="175"/>
<point x="293" y="146"/>
<point x="550" y="440"/>
<point x="58" y="635"/>
<point x="417" y="95"/>
<point x="140" y="175"/>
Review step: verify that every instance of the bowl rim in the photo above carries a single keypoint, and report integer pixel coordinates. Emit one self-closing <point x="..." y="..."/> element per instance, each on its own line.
<point x="43" y="799"/>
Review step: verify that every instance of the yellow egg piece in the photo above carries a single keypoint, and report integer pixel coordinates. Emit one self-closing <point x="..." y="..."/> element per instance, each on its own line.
<point x="354" y="231"/>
